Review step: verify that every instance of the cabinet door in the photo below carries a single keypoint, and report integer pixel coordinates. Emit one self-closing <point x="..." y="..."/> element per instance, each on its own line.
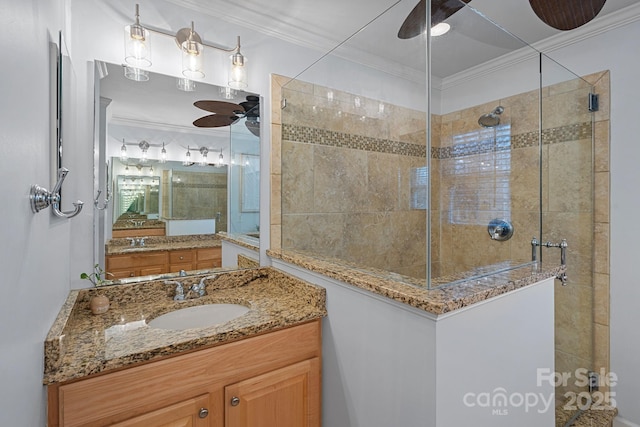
<point x="190" y="413"/>
<point x="209" y="258"/>
<point x="287" y="397"/>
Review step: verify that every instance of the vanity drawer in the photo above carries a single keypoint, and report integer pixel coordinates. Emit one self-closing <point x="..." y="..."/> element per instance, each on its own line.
<point x="209" y="254"/>
<point x="177" y="257"/>
<point x="118" y="262"/>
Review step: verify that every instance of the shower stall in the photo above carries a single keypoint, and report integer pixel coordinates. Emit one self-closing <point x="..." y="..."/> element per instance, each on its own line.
<point x="432" y="160"/>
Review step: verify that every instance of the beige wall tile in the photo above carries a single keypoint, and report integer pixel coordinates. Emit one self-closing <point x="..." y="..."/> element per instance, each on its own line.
<point x="602" y="156"/>
<point x="601" y="299"/>
<point x="601" y="193"/>
<point x="601" y="264"/>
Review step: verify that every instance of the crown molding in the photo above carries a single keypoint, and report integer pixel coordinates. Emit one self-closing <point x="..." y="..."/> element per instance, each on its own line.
<point x="594" y="28"/>
<point x="302" y="36"/>
<point x="167" y="127"/>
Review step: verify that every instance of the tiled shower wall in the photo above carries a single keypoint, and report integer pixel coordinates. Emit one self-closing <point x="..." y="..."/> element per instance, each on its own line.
<point x="349" y="184"/>
<point x="341" y="179"/>
<point x="195" y="195"/>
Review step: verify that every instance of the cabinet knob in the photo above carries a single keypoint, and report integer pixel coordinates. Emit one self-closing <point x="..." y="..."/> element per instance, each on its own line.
<point x="235" y="401"/>
<point x="181" y="257"/>
<point x="203" y="413"/>
<point x="131" y="274"/>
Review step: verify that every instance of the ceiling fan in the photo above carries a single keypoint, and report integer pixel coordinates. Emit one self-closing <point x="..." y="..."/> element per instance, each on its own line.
<point x="227" y="113"/>
<point x="562" y="15"/>
<point x="415" y="24"/>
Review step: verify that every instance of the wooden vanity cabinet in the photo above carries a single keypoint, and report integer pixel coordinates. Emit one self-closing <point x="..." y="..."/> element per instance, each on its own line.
<point x="270" y="380"/>
<point x="159" y="262"/>
<point x="137" y="264"/>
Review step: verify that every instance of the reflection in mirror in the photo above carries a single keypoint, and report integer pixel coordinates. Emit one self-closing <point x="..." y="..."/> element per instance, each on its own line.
<point x="180" y="175"/>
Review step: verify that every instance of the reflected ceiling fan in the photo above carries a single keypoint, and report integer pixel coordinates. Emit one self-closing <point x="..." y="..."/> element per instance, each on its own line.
<point x="562" y="15"/>
<point x="227" y="113"/>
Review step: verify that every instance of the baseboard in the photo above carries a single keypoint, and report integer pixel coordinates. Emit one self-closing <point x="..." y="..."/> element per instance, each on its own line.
<point x="621" y="422"/>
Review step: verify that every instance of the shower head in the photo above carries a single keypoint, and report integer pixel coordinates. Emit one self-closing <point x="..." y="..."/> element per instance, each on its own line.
<point x="491" y="119"/>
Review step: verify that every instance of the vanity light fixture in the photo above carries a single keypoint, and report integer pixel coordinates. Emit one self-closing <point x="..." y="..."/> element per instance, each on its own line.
<point x="203" y="160"/>
<point x="163" y="155"/>
<point x="220" y="160"/>
<point x="123" y="152"/>
<point x="185" y="85"/>
<point x="138" y="55"/>
<point x="144" y="146"/>
<point x="187" y="158"/>
<point x="137" y="45"/>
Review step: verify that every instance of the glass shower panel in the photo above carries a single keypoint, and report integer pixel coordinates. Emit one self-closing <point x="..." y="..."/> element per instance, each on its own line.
<point x="485" y="175"/>
<point x="244" y="176"/>
<point x="354" y="167"/>
<point x="568" y="213"/>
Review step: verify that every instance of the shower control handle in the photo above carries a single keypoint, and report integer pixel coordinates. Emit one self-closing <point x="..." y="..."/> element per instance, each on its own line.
<point x="500" y="229"/>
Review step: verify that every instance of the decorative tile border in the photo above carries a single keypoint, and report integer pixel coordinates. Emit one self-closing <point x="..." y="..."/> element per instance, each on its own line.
<point x="346" y="140"/>
<point x="310" y="135"/>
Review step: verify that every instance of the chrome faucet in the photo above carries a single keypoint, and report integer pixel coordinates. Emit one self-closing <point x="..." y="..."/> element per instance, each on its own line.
<point x="198" y="289"/>
<point x="139" y="241"/>
<point x="179" y="295"/>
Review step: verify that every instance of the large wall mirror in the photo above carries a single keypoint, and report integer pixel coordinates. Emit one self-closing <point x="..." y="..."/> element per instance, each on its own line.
<point x="176" y="163"/>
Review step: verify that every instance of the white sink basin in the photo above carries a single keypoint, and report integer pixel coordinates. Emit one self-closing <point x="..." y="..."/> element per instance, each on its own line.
<point x="200" y="316"/>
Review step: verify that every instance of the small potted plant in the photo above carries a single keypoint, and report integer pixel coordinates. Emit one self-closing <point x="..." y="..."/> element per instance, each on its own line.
<point x="99" y="303"/>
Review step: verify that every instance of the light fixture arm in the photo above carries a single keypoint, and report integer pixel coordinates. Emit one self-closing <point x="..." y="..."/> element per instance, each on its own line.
<point x="183" y="34"/>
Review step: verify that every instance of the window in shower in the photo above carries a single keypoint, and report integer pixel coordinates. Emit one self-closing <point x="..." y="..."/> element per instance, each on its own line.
<point x="419" y="187"/>
<point x="478" y="176"/>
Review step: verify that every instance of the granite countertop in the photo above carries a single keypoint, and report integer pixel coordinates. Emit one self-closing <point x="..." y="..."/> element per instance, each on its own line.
<point x="249" y="241"/>
<point x="452" y="293"/>
<point x="163" y="243"/>
<point x="80" y="343"/>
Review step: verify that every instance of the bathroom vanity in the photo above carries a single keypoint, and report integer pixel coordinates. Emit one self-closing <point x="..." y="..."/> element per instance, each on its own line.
<point x="157" y="255"/>
<point x="114" y="369"/>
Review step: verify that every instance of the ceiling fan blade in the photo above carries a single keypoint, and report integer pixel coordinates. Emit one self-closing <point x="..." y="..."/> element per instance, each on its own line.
<point x="415" y="23"/>
<point x="567" y="14"/>
<point x="219" y="107"/>
<point x="215" y="120"/>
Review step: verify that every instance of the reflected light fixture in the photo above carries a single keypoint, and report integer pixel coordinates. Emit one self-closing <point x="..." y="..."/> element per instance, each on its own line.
<point x="220" y="160"/>
<point x="185" y="85"/>
<point x="144" y="146"/>
<point x="187" y="158"/>
<point x="203" y="159"/>
<point x="138" y="55"/>
<point x="151" y="171"/>
<point x="440" y="29"/>
<point x="136" y="74"/>
<point x="163" y="154"/>
<point x="123" y="152"/>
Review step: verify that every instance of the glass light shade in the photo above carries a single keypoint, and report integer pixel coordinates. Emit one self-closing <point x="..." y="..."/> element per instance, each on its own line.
<point x="187" y="158"/>
<point x="163" y="154"/>
<point x="238" y="72"/>
<point x="123" y="153"/>
<point x="136" y="74"/>
<point x="192" y="54"/>
<point x="185" y="85"/>
<point x="137" y="46"/>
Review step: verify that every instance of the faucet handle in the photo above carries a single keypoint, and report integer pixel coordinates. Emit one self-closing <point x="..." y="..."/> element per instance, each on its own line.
<point x="179" y="296"/>
<point x="132" y="240"/>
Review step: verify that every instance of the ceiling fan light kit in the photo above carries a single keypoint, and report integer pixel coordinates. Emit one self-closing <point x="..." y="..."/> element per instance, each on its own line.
<point x="137" y="43"/>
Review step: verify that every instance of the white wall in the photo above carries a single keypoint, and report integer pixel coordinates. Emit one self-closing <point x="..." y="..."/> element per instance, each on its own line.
<point x="34" y="252"/>
<point x="611" y="51"/>
<point x="97" y="33"/>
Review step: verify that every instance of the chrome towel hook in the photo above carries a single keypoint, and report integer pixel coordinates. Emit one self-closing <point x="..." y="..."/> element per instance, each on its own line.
<point x="41" y="198"/>
<point x="107" y="199"/>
